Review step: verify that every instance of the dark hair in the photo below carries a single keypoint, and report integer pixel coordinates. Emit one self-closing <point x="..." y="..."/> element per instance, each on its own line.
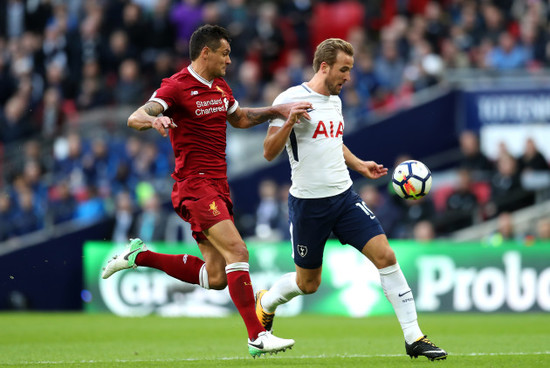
<point x="207" y="35"/>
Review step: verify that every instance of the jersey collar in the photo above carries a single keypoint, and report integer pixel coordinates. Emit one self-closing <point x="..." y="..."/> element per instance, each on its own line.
<point x="306" y="87"/>
<point x="315" y="93"/>
<point x="198" y="77"/>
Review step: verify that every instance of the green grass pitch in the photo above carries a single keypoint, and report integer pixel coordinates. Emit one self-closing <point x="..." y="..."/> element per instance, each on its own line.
<point x="82" y="340"/>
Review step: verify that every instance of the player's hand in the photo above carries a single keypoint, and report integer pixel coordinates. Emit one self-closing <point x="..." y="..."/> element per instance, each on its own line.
<point x="372" y="170"/>
<point x="162" y="123"/>
<point x="286" y="109"/>
<point x="296" y="112"/>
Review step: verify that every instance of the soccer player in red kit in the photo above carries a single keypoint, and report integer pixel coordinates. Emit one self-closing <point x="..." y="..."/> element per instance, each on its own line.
<point x="192" y="107"/>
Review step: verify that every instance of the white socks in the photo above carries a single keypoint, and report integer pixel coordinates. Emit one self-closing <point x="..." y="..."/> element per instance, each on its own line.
<point x="281" y="292"/>
<point x="393" y="282"/>
<point x="400" y="296"/>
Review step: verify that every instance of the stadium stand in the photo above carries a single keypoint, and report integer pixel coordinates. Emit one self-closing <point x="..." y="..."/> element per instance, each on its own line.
<point x="70" y="72"/>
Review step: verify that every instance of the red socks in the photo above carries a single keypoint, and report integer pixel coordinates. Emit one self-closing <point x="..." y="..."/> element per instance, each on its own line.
<point x="181" y="266"/>
<point x="242" y="294"/>
<point x="188" y="269"/>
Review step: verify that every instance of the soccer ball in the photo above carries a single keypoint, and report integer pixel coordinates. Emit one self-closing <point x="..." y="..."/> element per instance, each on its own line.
<point x="412" y="179"/>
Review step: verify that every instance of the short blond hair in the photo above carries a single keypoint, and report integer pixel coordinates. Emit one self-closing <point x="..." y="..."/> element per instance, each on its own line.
<point x="328" y="50"/>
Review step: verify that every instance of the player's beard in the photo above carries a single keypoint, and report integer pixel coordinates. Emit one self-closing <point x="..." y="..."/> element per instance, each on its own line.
<point x="333" y="88"/>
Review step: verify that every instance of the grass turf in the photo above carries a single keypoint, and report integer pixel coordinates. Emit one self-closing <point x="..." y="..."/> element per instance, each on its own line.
<point x="82" y="340"/>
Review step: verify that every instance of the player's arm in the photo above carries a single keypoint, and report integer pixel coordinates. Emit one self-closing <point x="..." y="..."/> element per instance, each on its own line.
<point x="276" y="137"/>
<point x="248" y="117"/>
<point x="275" y="141"/>
<point x="146" y="117"/>
<point x="369" y="169"/>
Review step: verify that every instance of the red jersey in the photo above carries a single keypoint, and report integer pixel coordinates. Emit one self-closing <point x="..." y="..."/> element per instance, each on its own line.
<point x="199" y="108"/>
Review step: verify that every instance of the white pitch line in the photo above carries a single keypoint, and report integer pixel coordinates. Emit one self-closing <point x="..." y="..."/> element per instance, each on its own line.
<point x="322" y="356"/>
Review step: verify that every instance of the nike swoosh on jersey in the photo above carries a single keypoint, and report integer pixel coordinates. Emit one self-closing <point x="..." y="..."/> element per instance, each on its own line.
<point x="400" y="295"/>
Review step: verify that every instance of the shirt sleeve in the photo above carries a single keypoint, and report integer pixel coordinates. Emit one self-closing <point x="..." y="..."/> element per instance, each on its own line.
<point x="233" y="107"/>
<point x="166" y="94"/>
<point x="159" y="100"/>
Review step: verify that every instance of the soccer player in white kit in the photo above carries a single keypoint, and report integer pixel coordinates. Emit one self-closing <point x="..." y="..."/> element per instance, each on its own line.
<point x="322" y="200"/>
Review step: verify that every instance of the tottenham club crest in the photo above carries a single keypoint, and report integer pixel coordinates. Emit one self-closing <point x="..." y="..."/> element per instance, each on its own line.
<point x="302" y="250"/>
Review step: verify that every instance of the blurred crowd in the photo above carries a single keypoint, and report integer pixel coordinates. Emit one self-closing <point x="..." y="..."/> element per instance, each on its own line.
<point x="61" y="59"/>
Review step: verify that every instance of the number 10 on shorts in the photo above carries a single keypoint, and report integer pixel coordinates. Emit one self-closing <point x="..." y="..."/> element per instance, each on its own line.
<point x="365" y="209"/>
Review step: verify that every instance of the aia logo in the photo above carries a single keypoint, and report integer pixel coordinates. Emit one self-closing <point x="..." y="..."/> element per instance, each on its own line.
<point x="327" y="130"/>
<point x="213" y="207"/>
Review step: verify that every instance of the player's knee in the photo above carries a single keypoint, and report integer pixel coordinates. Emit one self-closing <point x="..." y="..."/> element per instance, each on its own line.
<point x="379" y="252"/>
<point x="385" y="258"/>
<point x="238" y="252"/>
<point x="218" y="282"/>
<point x="310" y="286"/>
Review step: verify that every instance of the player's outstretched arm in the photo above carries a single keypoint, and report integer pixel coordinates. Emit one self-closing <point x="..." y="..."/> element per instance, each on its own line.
<point x="248" y="117"/>
<point x="146" y="117"/>
<point x="369" y="169"/>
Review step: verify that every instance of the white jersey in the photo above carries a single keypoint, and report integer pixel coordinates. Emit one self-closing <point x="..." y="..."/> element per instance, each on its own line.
<point x="315" y="147"/>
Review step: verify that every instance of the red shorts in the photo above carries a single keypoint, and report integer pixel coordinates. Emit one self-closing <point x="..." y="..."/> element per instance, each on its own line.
<point x="203" y="202"/>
